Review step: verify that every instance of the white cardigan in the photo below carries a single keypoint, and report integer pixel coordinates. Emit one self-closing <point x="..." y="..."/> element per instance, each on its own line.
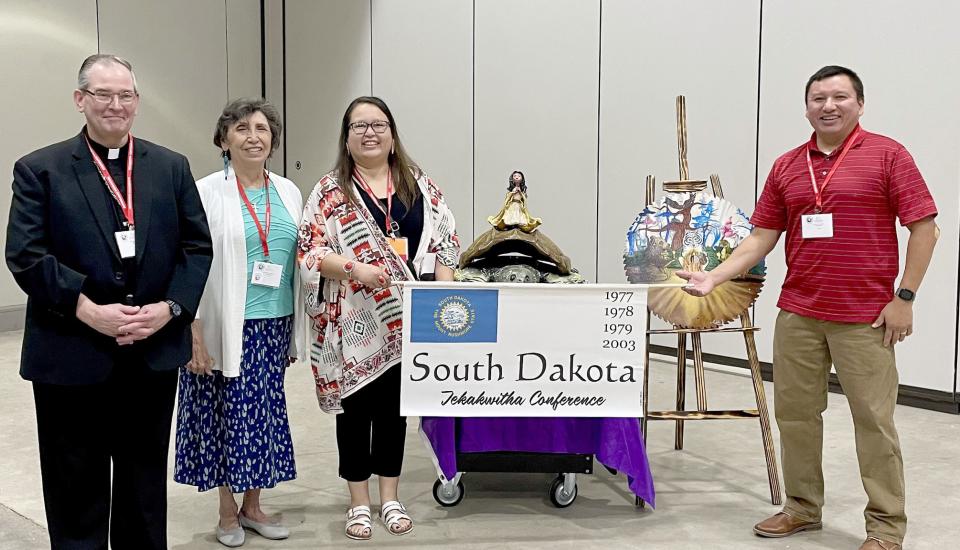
<point x="225" y="294"/>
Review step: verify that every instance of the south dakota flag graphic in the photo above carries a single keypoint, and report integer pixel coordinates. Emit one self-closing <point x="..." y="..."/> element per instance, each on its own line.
<point x="453" y="316"/>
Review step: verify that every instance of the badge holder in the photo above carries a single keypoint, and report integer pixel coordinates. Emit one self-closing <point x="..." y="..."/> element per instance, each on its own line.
<point x="816" y="225"/>
<point x="398" y="244"/>
<point x="266" y="274"/>
<point x="126" y="242"/>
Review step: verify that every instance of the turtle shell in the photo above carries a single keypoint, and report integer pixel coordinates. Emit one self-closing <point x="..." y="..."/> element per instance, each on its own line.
<point x="497" y="248"/>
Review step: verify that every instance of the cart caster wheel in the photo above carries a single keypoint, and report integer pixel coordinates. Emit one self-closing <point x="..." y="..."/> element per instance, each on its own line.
<point x="559" y="497"/>
<point x="447" y="495"/>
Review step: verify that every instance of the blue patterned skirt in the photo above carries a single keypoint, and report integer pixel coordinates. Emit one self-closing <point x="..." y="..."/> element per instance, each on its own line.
<point x="234" y="431"/>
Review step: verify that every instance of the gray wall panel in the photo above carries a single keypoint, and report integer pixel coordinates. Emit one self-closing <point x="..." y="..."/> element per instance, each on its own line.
<point x="243" y="48"/>
<point x="43" y="44"/>
<point x="910" y="92"/>
<point x="328" y="64"/>
<point x="423" y="69"/>
<point x="536" y="110"/>
<point x="273" y="73"/>
<point x="649" y="57"/>
<point x="652" y="52"/>
<point x="181" y="66"/>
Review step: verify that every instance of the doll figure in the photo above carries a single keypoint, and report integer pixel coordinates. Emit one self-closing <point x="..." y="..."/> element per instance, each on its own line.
<point x="514" y="213"/>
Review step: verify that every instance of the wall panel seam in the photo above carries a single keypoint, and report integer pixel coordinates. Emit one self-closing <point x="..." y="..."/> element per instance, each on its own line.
<point x="756" y="134"/>
<point x="226" y="44"/>
<point x="283" y="52"/>
<point x="956" y="335"/>
<point x="473" y="121"/>
<point x="756" y="137"/>
<point x="371" y="47"/>
<point x="263" y="50"/>
<point x="596" y="256"/>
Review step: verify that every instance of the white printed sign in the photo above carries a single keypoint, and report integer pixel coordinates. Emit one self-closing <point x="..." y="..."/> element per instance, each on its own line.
<point x="487" y="349"/>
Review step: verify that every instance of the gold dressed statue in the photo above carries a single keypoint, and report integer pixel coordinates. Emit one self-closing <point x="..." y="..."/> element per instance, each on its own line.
<point x="514" y="213"/>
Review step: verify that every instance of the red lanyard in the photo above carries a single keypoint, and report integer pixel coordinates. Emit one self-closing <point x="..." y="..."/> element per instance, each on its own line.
<point x="126" y="205"/>
<point x="253" y="214"/>
<point x="818" y="191"/>
<point x="392" y="226"/>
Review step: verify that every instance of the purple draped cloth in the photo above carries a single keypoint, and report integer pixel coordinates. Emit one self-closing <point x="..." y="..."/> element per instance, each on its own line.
<point x="616" y="442"/>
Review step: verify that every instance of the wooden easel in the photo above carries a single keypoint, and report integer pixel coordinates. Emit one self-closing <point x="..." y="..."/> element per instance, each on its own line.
<point x="746" y="327"/>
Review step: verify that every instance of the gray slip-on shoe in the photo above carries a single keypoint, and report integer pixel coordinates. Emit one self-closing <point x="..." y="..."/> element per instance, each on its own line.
<point x="273" y="531"/>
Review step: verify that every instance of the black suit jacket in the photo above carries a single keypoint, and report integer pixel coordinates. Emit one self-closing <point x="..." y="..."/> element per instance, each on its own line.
<point x="60" y="242"/>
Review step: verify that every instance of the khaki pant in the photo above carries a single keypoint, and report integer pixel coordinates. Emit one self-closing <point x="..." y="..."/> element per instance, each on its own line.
<point x="803" y="350"/>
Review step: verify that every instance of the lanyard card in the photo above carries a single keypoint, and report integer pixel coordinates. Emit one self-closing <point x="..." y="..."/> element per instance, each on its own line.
<point x="816" y="226"/>
<point x="266" y="274"/>
<point x="399" y="245"/>
<point x="126" y="242"/>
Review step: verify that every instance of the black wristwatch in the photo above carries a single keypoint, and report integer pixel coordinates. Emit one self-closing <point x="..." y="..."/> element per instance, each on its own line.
<point x="906" y="295"/>
<point x="175" y="308"/>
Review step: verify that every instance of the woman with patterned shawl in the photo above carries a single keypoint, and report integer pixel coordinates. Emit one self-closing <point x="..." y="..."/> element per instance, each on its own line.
<point x="374" y="219"/>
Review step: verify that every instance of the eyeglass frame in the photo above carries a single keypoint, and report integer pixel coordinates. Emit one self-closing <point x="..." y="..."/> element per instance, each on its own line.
<point x="110" y="95"/>
<point x="361" y="124"/>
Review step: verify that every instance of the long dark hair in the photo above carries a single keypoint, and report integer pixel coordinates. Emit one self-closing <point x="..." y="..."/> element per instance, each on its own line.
<point x="523" y="182"/>
<point x="404" y="170"/>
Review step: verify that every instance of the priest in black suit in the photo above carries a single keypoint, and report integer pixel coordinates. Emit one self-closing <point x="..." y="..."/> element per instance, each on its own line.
<point x="108" y="239"/>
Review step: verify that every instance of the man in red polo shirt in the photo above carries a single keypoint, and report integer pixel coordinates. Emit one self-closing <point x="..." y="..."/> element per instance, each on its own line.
<point x="838" y="197"/>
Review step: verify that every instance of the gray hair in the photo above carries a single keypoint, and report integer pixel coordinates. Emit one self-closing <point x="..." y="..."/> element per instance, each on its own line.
<point x="83" y="76"/>
<point x="240" y="109"/>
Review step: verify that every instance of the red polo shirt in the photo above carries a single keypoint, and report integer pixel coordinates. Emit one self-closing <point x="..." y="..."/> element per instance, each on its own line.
<point x="849" y="277"/>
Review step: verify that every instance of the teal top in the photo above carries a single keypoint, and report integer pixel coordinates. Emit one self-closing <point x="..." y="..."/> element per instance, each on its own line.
<point x="264" y="302"/>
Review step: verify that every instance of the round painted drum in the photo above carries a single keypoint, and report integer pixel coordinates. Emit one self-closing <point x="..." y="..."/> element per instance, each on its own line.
<point x="692" y="232"/>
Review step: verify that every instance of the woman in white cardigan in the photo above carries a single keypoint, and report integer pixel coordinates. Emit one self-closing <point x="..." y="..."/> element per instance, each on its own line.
<point x="232" y="426"/>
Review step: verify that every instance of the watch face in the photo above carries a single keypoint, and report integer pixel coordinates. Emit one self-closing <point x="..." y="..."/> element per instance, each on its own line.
<point x="905" y="294"/>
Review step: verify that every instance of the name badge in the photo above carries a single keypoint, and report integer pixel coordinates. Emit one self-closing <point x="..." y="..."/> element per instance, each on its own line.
<point x="266" y="274"/>
<point x="816" y="226"/>
<point x="127" y="243"/>
<point x="399" y="245"/>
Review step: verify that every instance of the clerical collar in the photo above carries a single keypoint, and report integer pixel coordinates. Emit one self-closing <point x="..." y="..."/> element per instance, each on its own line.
<point x="105" y="153"/>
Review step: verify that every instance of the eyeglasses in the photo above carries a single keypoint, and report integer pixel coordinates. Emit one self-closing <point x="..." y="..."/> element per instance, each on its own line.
<point x="379" y="127"/>
<point x="101" y="96"/>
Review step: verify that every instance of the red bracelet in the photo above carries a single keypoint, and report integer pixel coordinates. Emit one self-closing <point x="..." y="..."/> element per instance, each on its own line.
<point x="348" y="267"/>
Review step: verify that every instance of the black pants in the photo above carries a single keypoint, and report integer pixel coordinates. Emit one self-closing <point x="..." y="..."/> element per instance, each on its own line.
<point x="82" y="429"/>
<point x="370" y="430"/>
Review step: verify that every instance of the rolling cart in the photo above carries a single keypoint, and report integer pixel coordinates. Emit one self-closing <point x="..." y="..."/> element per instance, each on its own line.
<point x="562" y="492"/>
<point x="565" y="446"/>
<point x="514" y="250"/>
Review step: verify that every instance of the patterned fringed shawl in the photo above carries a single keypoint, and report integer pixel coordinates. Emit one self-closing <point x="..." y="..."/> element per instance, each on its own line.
<point x="356" y="331"/>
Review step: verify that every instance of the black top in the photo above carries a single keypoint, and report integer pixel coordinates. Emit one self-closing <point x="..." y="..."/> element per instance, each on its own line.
<point x="60" y="243"/>
<point x="410" y="221"/>
<point x="118" y="170"/>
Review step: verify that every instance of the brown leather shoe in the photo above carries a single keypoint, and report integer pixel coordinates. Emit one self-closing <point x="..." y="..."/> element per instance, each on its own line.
<point x="784" y="525"/>
<point x="873" y="543"/>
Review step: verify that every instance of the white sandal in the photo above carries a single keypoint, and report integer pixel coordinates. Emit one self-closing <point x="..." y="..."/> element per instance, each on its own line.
<point x="359" y="515"/>
<point x="391" y="514"/>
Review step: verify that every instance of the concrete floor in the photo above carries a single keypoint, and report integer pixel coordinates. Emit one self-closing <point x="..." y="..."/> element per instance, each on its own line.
<point x="708" y="495"/>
